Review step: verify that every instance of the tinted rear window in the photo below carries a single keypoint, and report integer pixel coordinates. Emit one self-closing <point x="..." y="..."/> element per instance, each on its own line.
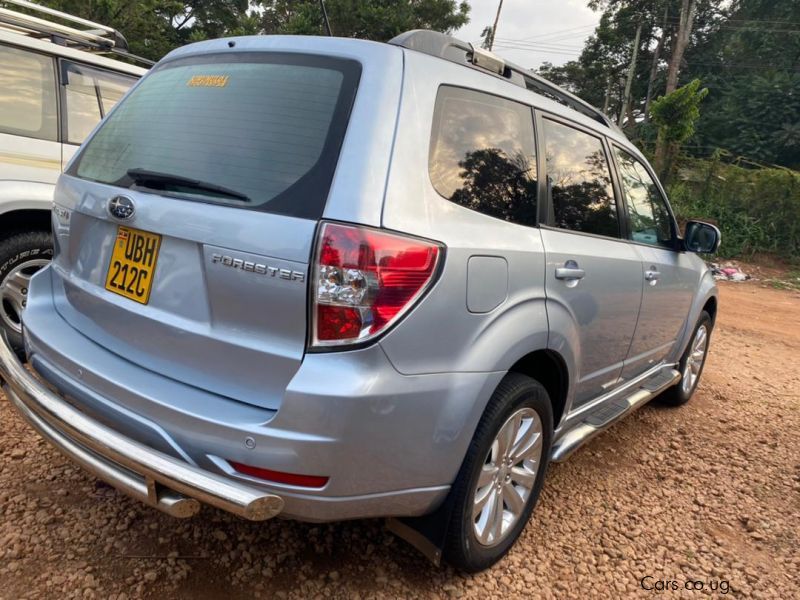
<point x="267" y="126"/>
<point x="482" y="154"/>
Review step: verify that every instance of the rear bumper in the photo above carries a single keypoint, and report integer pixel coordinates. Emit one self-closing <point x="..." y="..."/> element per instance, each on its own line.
<point x="390" y="444"/>
<point x="150" y="476"/>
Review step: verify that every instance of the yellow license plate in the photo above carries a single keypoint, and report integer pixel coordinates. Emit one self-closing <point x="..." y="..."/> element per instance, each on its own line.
<point x="133" y="264"/>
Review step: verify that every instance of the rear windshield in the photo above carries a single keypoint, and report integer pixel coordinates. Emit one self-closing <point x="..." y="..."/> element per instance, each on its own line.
<point x="253" y="130"/>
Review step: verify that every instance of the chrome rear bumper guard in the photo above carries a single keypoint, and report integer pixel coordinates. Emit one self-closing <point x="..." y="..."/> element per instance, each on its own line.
<point x="161" y="481"/>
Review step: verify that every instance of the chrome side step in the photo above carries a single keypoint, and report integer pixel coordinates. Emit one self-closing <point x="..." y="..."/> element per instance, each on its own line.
<point x="608" y="414"/>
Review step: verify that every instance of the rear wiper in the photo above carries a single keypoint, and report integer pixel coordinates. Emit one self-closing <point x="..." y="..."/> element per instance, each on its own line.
<point x="154" y="178"/>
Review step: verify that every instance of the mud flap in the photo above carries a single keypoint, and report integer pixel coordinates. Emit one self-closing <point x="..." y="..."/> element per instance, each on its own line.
<point x="426" y="533"/>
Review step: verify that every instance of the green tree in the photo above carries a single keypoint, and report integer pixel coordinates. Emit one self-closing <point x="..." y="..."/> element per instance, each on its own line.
<point x="598" y="75"/>
<point x="154" y="27"/>
<point x="368" y="19"/>
<point x="750" y="61"/>
<point x="675" y="115"/>
<point x="746" y="52"/>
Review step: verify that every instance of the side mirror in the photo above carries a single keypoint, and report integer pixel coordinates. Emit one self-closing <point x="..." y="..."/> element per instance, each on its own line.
<point x="700" y="237"/>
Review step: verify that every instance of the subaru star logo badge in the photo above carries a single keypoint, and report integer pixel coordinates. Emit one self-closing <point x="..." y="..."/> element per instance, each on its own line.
<point x="121" y="207"/>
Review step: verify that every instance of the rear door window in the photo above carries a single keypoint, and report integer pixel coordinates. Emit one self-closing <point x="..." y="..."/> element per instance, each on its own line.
<point x="482" y="154"/>
<point x="580" y="181"/>
<point x="111" y="90"/>
<point x="28" y="94"/>
<point x="88" y="95"/>
<point x="253" y="130"/>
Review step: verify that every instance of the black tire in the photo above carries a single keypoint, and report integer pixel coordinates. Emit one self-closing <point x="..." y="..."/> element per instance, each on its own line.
<point x="462" y="548"/>
<point x="678" y="394"/>
<point x="17" y="250"/>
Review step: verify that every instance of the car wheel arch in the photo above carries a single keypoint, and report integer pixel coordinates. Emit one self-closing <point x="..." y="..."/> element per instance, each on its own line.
<point x="549" y="368"/>
<point x="25" y="219"/>
<point x="711" y="308"/>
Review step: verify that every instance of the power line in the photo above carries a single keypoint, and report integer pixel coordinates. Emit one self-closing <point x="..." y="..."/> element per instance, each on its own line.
<point x="724" y="26"/>
<point x="726" y="20"/>
<point x="557" y="32"/>
<point x="647" y="61"/>
<point x="539" y="44"/>
<point x="540" y="51"/>
<point x="763" y="21"/>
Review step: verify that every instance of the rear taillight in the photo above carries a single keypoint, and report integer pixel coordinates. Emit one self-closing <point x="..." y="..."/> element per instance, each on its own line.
<point x="365" y="280"/>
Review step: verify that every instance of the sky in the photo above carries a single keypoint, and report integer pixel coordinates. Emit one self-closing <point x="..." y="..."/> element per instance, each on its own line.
<point x="533" y="31"/>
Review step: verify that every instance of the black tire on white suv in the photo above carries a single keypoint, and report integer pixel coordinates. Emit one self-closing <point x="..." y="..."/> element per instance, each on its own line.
<point x="21" y="255"/>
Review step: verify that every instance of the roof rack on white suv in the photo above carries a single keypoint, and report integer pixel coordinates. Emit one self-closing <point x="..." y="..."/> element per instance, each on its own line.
<point x="80" y="33"/>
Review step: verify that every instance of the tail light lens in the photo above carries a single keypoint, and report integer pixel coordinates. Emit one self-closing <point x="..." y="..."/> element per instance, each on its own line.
<point x="310" y="481"/>
<point x="365" y="280"/>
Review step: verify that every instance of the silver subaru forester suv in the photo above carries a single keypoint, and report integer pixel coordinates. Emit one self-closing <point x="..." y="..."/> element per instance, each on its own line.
<point x="329" y="279"/>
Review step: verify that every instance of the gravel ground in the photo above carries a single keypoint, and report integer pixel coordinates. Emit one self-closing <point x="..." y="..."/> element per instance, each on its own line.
<point x="708" y="493"/>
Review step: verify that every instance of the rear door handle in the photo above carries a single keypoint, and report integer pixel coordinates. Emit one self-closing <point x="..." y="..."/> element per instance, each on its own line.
<point x="570" y="271"/>
<point x="567" y="273"/>
<point x="652" y="275"/>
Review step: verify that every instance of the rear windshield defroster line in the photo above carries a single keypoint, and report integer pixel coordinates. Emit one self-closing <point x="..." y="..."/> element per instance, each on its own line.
<point x="268" y="126"/>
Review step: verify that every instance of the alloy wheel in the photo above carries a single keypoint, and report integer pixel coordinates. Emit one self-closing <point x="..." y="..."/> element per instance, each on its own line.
<point x="507" y="477"/>
<point x="14" y="292"/>
<point x="695" y="359"/>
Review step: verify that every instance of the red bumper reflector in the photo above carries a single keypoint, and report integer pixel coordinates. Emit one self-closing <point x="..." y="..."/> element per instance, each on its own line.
<point x="310" y="481"/>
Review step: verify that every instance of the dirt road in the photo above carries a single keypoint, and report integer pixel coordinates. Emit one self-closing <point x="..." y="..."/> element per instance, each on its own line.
<point x="704" y="495"/>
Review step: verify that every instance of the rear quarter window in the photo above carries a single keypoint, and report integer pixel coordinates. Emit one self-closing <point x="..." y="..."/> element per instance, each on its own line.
<point x="266" y="126"/>
<point x="482" y="154"/>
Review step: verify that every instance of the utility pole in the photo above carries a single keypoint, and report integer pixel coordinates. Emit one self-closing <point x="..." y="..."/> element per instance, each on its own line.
<point x="494" y="27"/>
<point x="608" y="96"/>
<point x="325" y="17"/>
<point x="631" y="72"/>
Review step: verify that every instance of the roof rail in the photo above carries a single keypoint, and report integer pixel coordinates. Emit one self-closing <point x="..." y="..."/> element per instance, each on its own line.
<point x="80" y="33"/>
<point x="449" y="48"/>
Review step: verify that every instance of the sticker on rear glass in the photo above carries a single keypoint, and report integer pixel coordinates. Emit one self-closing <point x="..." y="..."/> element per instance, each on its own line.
<point x="208" y="81"/>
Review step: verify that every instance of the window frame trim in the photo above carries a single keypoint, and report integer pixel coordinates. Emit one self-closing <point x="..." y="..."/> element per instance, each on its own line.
<point x="675" y="245"/>
<point x="548" y="210"/>
<point x="538" y="157"/>
<point x="56" y="80"/>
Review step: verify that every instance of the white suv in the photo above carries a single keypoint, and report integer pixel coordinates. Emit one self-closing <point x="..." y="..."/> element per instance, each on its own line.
<point x="55" y="86"/>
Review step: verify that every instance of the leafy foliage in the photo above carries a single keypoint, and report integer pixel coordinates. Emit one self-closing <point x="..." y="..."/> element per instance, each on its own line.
<point x="751" y="65"/>
<point x="367" y="19"/>
<point x="676" y="113"/>
<point x="606" y="56"/>
<point x="746" y="52"/>
<point x="757" y="210"/>
<point x="154" y="27"/>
